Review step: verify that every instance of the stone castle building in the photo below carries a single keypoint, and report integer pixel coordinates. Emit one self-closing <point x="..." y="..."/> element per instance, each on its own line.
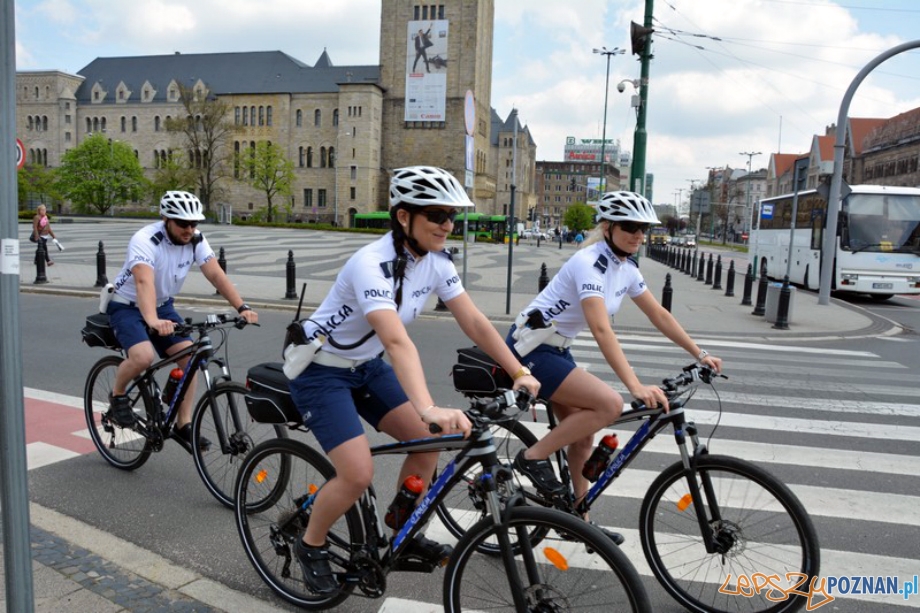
<point x="345" y="128"/>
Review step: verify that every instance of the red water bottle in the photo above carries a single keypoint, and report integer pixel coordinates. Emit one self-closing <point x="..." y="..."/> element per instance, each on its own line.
<point x="172" y="384"/>
<point x="597" y="463"/>
<point x="404" y="503"/>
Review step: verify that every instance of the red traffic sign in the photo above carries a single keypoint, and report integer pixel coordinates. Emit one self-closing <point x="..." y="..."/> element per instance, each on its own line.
<point x="20" y="155"/>
<point x="744" y="236"/>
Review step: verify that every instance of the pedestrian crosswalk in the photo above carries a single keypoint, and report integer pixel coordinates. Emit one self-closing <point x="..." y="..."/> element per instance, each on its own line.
<point x="839" y="426"/>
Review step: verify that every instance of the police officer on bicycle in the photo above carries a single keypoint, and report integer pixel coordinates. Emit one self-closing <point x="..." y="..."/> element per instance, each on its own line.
<point x="159" y="258"/>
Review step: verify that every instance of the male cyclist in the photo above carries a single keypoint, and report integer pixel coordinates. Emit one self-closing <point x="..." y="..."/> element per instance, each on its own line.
<point x="158" y="260"/>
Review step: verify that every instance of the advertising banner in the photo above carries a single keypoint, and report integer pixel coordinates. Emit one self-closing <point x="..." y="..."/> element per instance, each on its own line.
<point x="426" y="70"/>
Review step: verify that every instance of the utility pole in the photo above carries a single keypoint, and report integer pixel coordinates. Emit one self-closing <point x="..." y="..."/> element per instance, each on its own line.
<point x="512" y="213"/>
<point x="746" y="226"/>
<point x="602" y="187"/>
<point x="641" y="37"/>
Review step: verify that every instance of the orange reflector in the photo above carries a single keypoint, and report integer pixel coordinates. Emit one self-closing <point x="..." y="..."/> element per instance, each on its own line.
<point x="685" y="501"/>
<point x="261" y="476"/>
<point x="557" y="559"/>
<point x="312" y="489"/>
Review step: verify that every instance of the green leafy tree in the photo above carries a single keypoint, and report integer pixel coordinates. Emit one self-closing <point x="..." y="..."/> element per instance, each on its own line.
<point x="173" y="174"/>
<point x="206" y="128"/>
<point x="98" y="174"/>
<point x="268" y="170"/>
<point x="579" y="217"/>
<point x="36" y="183"/>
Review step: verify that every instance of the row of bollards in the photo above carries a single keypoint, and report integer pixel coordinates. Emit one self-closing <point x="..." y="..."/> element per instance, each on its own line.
<point x="695" y="264"/>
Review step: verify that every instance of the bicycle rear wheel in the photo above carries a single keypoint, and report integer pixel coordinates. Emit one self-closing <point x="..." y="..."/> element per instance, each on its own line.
<point x="218" y="466"/>
<point x="761" y="527"/>
<point x="558" y="574"/>
<point x="123" y="448"/>
<point x="282" y="475"/>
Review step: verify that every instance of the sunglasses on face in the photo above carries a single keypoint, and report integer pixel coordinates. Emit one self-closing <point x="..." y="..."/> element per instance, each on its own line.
<point x="439" y="216"/>
<point x="185" y="225"/>
<point x="631" y="227"/>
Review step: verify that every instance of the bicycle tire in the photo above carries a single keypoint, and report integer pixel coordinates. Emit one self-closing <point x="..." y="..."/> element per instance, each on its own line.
<point x="218" y="466"/>
<point x="278" y="474"/>
<point x="123" y="448"/>
<point x="764" y="526"/>
<point x="570" y="578"/>
<point x="463" y="507"/>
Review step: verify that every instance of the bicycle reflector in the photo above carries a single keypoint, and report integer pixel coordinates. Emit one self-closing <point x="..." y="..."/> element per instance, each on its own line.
<point x="685" y="501"/>
<point x="261" y="475"/>
<point x="557" y="559"/>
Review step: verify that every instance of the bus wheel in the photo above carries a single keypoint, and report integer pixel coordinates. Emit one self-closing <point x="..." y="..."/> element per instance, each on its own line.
<point x="880" y="297"/>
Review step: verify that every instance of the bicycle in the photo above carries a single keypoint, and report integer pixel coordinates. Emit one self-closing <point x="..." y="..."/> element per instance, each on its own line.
<point x="218" y="416"/>
<point x="279" y="481"/>
<point x="748" y="522"/>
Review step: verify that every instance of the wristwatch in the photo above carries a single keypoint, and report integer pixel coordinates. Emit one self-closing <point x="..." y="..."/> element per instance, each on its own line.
<point x="522" y="372"/>
<point x="703" y="354"/>
<point x="243" y="307"/>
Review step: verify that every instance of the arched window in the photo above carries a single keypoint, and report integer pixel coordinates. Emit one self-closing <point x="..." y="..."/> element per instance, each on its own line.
<point x="95" y="124"/>
<point x="261" y="115"/>
<point x="134" y="124"/>
<point x="322" y="157"/>
<point x="317" y="118"/>
<point x="89" y="125"/>
<point x="124" y="124"/>
<point x="45" y="123"/>
<point x="236" y="116"/>
<point x="309" y="157"/>
<point x="335" y="117"/>
<point x="156" y="123"/>
<point x="268" y="115"/>
<point x="36" y="92"/>
<point x="29" y="123"/>
<point x="245" y="116"/>
<point x="252" y="115"/>
<point x="301" y="155"/>
<point x="236" y="159"/>
<point x="299" y="118"/>
<point x="331" y="157"/>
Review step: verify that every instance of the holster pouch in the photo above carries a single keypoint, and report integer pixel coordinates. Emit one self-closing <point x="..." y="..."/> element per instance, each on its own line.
<point x="531" y="331"/>
<point x="298" y="356"/>
<point x="105" y="297"/>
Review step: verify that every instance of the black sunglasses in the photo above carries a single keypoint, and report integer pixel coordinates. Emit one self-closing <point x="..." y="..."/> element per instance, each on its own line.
<point x="631" y="227"/>
<point x="439" y="216"/>
<point x="185" y="224"/>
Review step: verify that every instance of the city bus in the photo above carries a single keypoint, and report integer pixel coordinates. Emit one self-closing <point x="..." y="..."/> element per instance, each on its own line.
<point x="483" y="226"/>
<point x="877" y="246"/>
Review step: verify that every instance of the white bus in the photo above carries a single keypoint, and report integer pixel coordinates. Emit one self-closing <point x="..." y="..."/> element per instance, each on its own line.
<point x="877" y="246"/>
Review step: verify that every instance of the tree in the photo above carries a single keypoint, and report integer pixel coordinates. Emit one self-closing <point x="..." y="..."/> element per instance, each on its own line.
<point x="207" y="128"/>
<point x="36" y="183"/>
<point x="268" y="170"/>
<point x="579" y="217"/>
<point x="173" y="174"/>
<point x="99" y="173"/>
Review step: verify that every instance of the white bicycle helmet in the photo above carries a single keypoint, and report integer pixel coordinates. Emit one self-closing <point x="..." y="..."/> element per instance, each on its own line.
<point x="181" y="205"/>
<point x="626" y="206"/>
<point x="427" y="186"/>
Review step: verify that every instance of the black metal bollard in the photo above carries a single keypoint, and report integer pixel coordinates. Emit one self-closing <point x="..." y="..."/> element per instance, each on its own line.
<point x="730" y="280"/>
<point x="782" y="307"/>
<point x="709" y="266"/>
<point x="691" y="268"/>
<point x="543" y="281"/>
<point x="667" y="293"/>
<point x="701" y="274"/>
<point x="760" y="308"/>
<point x="41" y="255"/>
<point x="222" y="262"/>
<point x="748" y="286"/>
<point x="538" y="240"/>
<point x="101" y="279"/>
<point x="717" y="280"/>
<point x="291" y="270"/>
<point x="560" y="241"/>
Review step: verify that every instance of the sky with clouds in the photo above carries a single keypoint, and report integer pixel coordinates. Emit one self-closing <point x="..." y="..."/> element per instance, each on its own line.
<point x="728" y="76"/>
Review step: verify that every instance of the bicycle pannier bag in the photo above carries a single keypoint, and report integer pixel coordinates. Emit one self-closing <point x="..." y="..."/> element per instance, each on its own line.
<point x="98" y="333"/>
<point x="476" y="374"/>
<point x="269" y="399"/>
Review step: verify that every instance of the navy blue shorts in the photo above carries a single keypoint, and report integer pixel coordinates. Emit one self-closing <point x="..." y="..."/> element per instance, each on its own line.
<point x="550" y="365"/>
<point x="331" y="399"/>
<point x="130" y="329"/>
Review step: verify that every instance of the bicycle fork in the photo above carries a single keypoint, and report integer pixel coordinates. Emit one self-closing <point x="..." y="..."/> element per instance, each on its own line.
<point x="702" y="498"/>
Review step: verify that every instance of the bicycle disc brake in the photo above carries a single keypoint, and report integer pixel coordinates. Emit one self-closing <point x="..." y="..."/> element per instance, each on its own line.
<point x="542" y="598"/>
<point x="728" y="539"/>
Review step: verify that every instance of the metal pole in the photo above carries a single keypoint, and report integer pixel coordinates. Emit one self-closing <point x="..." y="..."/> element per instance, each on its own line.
<point x="14" y="488"/>
<point x="833" y="199"/>
<point x="512" y="220"/>
<point x="640" y="137"/>
<point x="747" y="223"/>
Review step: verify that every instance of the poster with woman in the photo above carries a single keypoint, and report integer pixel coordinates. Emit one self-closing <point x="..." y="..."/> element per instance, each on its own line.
<point x="426" y="70"/>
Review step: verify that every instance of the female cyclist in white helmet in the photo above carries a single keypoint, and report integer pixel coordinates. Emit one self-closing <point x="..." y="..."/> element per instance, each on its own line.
<point x="381" y="288"/>
<point x="585" y="293"/>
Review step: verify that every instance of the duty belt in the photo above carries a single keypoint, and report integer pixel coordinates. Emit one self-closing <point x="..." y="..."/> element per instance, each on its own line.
<point x="122" y="300"/>
<point x="336" y="361"/>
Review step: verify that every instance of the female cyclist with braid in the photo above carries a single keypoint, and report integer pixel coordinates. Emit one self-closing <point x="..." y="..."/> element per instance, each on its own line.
<point x="381" y="288"/>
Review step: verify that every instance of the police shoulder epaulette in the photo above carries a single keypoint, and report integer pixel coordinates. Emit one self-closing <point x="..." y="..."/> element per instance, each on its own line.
<point x="632" y="260"/>
<point x="157" y="238"/>
<point x="601" y="263"/>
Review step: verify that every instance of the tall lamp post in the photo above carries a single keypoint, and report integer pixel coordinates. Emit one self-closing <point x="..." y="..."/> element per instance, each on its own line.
<point x="747" y="207"/>
<point x="608" y="53"/>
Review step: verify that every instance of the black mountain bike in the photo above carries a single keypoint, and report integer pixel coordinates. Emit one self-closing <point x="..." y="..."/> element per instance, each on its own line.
<point x="220" y="415"/>
<point x="574" y="566"/>
<point x="707" y="522"/>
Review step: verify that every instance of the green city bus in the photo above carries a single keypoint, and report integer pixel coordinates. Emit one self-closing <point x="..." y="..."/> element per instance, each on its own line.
<point x="483" y="226"/>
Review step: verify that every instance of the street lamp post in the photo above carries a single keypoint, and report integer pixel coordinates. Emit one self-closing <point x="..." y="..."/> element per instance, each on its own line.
<point x="608" y="53"/>
<point x="746" y="227"/>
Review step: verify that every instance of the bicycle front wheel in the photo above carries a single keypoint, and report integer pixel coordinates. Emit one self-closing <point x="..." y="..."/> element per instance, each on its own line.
<point x="759" y="526"/>
<point x="274" y="494"/>
<point x="574" y="568"/>
<point x="123" y="448"/>
<point x="215" y="418"/>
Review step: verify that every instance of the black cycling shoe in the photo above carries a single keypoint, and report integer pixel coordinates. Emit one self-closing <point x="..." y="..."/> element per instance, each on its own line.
<point x="540" y="472"/>
<point x="428" y="550"/>
<point x="617" y="538"/>
<point x="120" y="411"/>
<point x="317" y="572"/>
<point x="184" y="436"/>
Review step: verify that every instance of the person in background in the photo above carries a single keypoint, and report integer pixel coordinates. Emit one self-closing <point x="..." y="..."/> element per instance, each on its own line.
<point x="381" y="289"/>
<point x="41" y="230"/>
<point x="586" y="293"/>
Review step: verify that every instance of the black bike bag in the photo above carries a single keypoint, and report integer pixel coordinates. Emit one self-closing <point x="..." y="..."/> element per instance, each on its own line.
<point x="269" y="398"/>
<point x="478" y="375"/>
<point x="99" y="333"/>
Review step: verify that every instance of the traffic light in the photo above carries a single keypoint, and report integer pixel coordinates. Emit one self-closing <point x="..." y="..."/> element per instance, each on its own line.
<point x="638" y="37"/>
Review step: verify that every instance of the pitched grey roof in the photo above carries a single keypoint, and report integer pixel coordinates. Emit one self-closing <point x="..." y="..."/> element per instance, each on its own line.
<point x="508" y="126"/>
<point x="252" y="72"/>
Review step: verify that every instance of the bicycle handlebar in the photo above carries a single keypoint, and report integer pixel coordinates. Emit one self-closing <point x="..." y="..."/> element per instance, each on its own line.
<point x="688" y="376"/>
<point x="483" y="411"/>
<point x="210" y="322"/>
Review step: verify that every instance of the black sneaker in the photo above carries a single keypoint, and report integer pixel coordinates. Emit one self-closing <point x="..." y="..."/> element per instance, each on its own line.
<point x="120" y="411"/>
<point x="540" y="472"/>
<point x="317" y="572"/>
<point x="184" y="436"/>
<point x="426" y="549"/>
<point x="616" y="537"/>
